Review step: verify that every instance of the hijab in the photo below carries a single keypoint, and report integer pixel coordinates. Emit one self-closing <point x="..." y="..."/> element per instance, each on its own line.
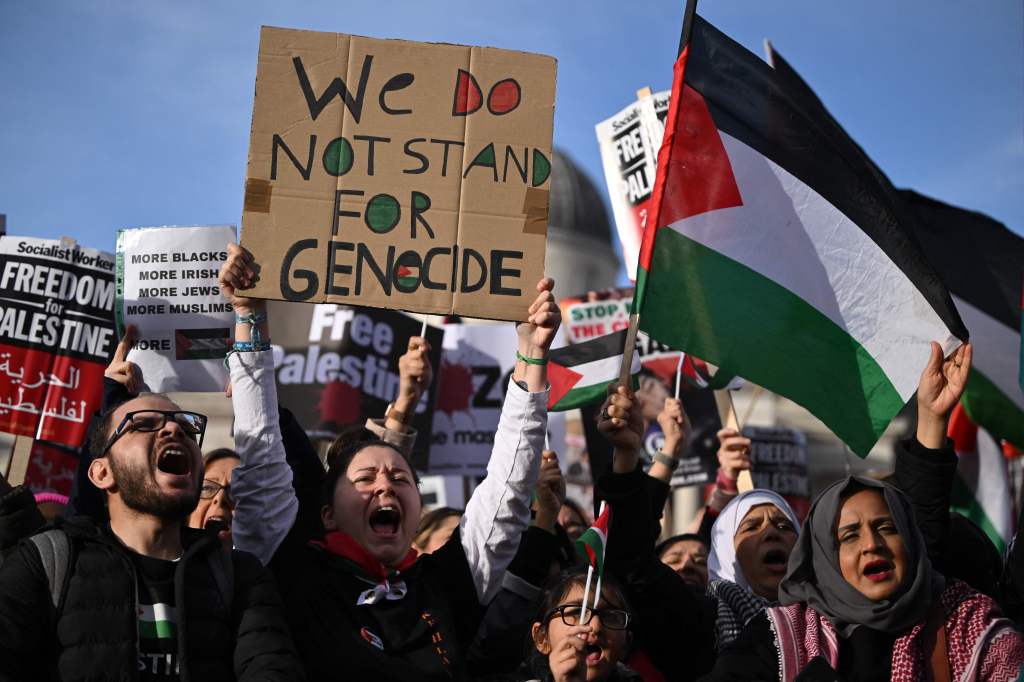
<point x="814" y="575"/>
<point x="722" y="563"/>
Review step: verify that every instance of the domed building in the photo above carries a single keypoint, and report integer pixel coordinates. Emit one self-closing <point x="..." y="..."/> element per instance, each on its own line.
<point x="581" y="252"/>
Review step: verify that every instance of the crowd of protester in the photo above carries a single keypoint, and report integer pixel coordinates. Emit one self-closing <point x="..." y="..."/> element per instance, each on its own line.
<point x="263" y="562"/>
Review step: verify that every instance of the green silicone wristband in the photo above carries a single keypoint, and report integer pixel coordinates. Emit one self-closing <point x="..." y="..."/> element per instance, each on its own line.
<point x="531" y="361"/>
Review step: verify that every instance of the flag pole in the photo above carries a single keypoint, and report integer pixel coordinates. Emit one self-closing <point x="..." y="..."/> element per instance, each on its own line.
<point x="423" y="327"/>
<point x="604" y="555"/>
<point x="590" y="574"/>
<point x="727" y="414"/>
<point x="679" y="373"/>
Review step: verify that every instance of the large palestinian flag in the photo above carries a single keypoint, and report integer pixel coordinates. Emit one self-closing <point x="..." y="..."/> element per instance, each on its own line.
<point x="982" y="263"/>
<point x="581" y="373"/>
<point x="981" y="490"/>
<point x="776" y="251"/>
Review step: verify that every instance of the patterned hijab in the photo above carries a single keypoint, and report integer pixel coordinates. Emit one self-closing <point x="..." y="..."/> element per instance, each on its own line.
<point x="722" y="563"/>
<point x="814" y="576"/>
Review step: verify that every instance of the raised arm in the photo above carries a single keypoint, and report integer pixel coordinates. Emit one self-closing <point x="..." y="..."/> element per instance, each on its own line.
<point x="499" y="510"/>
<point x="265" y="502"/>
<point x="926" y="465"/>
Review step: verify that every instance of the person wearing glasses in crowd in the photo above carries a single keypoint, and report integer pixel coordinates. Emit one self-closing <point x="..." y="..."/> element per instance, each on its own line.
<point x="573" y="644"/>
<point x="216" y="506"/>
<point x="145" y="597"/>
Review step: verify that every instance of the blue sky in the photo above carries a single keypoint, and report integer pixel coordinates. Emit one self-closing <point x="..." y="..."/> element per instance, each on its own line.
<point x="119" y="114"/>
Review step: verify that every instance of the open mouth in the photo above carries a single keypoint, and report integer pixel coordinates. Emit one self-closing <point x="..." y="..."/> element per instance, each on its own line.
<point x="776" y="559"/>
<point x="218" y="523"/>
<point x="175" y="461"/>
<point x="385" y="520"/>
<point x="592" y="653"/>
<point x="878" y="570"/>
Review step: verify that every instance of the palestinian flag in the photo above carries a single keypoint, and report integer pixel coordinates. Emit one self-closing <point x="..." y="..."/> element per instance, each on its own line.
<point x="982" y="263"/>
<point x="580" y="374"/>
<point x="981" y="490"/>
<point x="591" y="544"/>
<point x="775" y="250"/>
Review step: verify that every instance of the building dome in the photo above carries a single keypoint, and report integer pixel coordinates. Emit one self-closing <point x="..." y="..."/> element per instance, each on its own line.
<point x="577" y="206"/>
<point x="580" y="252"/>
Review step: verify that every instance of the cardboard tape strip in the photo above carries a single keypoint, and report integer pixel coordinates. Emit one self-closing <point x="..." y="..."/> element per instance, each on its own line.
<point x="257" y="195"/>
<point x="535" y="206"/>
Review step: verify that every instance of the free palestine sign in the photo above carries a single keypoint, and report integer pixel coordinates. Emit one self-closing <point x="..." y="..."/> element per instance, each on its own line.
<point x="401" y="175"/>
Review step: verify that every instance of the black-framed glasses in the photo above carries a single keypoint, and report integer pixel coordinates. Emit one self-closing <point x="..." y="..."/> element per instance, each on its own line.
<point x="192" y="423"/>
<point x="572" y="614"/>
<point x="211" y="488"/>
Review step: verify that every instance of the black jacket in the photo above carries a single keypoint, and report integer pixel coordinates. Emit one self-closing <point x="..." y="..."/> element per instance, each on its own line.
<point x="674" y="626"/>
<point x="93" y="636"/>
<point x="19" y="517"/>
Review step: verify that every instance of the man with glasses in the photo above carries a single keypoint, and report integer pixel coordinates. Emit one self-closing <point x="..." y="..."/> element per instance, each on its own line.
<point x="145" y="597"/>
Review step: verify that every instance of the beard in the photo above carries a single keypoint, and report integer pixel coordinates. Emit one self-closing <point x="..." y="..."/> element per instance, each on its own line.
<point x="140" y="493"/>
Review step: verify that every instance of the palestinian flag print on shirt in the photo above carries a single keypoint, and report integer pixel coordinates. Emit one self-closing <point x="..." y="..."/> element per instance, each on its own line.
<point x="776" y="252"/>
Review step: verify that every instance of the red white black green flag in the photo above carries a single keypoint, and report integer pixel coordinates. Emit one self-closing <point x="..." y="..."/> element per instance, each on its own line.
<point x="774" y="250"/>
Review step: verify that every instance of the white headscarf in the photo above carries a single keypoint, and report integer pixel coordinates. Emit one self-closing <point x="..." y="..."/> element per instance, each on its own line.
<point x="722" y="563"/>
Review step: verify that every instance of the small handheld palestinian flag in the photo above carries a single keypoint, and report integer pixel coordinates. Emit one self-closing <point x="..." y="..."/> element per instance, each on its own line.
<point x="591" y="546"/>
<point x="580" y="374"/>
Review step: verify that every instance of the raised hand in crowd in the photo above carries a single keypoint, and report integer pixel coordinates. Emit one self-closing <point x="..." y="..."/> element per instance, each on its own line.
<point x="414" y="376"/>
<point x="733" y="453"/>
<point x="122" y="370"/>
<point x="939" y="390"/>
<point x="550" y="492"/>
<point x="536" y="336"/>
<point x="622" y="424"/>
<point x="673" y="423"/>
<point x="238" y="274"/>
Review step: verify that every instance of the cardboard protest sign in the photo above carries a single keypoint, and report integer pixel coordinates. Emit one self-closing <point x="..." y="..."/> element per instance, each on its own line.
<point x="778" y="458"/>
<point x="401" y="175"/>
<point x="337" y="365"/>
<point x="50" y="468"/>
<point x="474" y="374"/>
<point x="629" y="143"/>
<point x="167" y="287"/>
<point x="56" y="336"/>
<point x="475" y="368"/>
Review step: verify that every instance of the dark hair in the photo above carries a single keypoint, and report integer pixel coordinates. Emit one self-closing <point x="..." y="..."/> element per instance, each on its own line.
<point x="682" y="537"/>
<point x="431" y="520"/>
<point x="555" y="592"/>
<point x="572" y="504"/>
<point x="220" y="453"/>
<point x="100" y="433"/>
<point x="339" y="459"/>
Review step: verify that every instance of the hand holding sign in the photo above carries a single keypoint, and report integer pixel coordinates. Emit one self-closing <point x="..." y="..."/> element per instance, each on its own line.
<point x="238" y="274"/>
<point x="122" y="370"/>
<point x="733" y="453"/>
<point x="414" y="376"/>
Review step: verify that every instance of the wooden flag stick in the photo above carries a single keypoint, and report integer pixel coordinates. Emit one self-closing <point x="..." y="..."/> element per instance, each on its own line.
<point x="627" y="352"/>
<point x="727" y="413"/>
<point x="19" y="460"/>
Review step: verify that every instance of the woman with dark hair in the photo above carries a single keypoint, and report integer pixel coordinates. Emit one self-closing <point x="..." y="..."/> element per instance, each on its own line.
<point x="361" y="603"/>
<point x="861" y="599"/>
<point x="573" y="643"/>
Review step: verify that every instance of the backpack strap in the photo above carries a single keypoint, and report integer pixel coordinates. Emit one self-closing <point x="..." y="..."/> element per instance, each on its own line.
<point x="222" y="566"/>
<point x="55" y="553"/>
